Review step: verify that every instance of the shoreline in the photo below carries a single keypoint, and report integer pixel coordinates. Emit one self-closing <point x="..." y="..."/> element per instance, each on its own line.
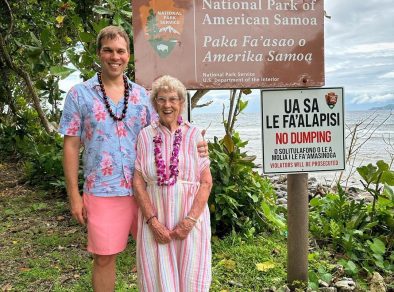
<point x="315" y="189"/>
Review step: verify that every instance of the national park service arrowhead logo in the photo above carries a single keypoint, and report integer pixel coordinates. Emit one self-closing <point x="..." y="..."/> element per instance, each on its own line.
<point x="163" y="25"/>
<point x="331" y="99"/>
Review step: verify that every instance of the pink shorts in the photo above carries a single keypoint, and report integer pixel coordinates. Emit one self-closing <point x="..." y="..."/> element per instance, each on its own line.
<point x="110" y="221"/>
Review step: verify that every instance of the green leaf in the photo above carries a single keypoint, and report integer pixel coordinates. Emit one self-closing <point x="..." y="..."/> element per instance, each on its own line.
<point x="228" y="143"/>
<point x="351" y="267"/>
<point x="388" y="177"/>
<point x="45" y="36"/>
<point x="35" y="39"/>
<point x="118" y="19"/>
<point x="377" y="246"/>
<point x="326" y="277"/>
<point x="315" y="202"/>
<point x="367" y="172"/>
<point x="243" y="105"/>
<point x="86" y="37"/>
<point x="33" y="51"/>
<point x="383" y="166"/>
<point x="313" y="277"/>
<point x="61" y="71"/>
<point x="126" y="13"/>
<point x="100" y="25"/>
<point x="102" y="11"/>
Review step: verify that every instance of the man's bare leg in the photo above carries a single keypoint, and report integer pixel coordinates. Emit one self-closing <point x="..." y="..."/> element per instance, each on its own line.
<point x="104" y="273"/>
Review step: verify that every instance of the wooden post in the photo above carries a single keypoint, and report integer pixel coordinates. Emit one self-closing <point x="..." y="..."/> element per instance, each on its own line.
<point x="297" y="241"/>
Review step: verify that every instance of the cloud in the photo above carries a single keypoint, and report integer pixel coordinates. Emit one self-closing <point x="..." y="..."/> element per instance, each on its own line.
<point x="367" y="98"/>
<point x="388" y="75"/>
<point x="359" y="50"/>
<point x="385" y="47"/>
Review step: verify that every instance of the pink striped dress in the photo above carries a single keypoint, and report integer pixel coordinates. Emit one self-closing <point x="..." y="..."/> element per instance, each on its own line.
<point x="181" y="265"/>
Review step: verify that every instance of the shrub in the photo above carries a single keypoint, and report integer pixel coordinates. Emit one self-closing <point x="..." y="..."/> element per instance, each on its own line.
<point x="362" y="231"/>
<point x="241" y="199"/>
<point x="24" y="140"/>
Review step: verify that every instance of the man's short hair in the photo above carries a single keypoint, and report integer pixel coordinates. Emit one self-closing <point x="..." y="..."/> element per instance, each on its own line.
<point x="112" y="32"/>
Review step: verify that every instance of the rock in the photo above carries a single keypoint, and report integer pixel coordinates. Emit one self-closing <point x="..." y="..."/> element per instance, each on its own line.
<point x="328" y="289"/>
<point x="236" y="284"/>
<point x="321" y="190"/>
<point x="282" y="179"/>
<point x="323" y="284"/>
<point x="283" y="289"/>
<point x="352" y="190"/>
<point x="377" y="283"/>
<point x="345" y="284"/>
<point x="338" y="271"/>
<point x="282" y="201"/>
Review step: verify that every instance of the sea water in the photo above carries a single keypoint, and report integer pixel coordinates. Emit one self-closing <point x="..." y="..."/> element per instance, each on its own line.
<point x="375" y="139"/>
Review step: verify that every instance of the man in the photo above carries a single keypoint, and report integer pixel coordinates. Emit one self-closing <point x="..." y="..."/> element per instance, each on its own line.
<point x="105" y="115"/>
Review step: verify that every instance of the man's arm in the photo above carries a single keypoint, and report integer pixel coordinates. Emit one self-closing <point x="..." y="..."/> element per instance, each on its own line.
<point x="71" y="166"/>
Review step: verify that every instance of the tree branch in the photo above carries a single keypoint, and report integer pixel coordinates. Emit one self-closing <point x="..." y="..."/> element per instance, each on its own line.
<point x="197" y="96"/>
<point x="203" y="104"/>
<point x="26" y="77"/>
<point x="10" y="28"/>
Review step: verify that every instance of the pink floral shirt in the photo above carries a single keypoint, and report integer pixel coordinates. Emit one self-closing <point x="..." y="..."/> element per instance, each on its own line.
<point x="109" y="147"/>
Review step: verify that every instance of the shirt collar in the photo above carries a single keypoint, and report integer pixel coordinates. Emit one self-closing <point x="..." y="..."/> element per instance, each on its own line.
<point x="93" y="82"/>
<point x="156" y="124"/>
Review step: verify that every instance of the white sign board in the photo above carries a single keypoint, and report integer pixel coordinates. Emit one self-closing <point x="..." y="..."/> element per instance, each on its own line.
<point x="303" y="130"/>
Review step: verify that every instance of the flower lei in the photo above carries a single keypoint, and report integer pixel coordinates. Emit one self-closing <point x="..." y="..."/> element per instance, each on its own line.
<point x="162" y="178"/>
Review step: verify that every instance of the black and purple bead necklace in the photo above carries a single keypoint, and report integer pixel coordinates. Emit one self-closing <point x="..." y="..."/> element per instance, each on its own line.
<point x="106" y="101"/>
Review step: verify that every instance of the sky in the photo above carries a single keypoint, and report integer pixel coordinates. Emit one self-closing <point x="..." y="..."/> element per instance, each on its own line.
<point x="359" y="55"/>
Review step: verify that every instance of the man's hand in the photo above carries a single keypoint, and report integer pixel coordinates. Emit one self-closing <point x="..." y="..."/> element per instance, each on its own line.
<point x="160" y="232"/>
<point x="78" y="210"/>
<point x="183" y="229"/>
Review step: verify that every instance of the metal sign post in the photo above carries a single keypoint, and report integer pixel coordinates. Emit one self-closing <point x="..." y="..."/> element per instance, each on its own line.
<point x="297" y="222"/>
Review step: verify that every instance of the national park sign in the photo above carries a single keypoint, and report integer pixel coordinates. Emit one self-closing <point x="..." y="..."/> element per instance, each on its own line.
<point x="229" y="43"/>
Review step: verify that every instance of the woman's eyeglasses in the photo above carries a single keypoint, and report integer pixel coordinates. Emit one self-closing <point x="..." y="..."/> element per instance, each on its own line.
<point x="172" y="99"/>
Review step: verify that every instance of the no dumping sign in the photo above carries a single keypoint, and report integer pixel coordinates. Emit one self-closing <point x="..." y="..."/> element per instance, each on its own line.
<point x="303" y="130"/>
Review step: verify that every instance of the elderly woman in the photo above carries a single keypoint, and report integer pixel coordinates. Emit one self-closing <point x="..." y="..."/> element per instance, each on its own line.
<point x="172" y="185"/>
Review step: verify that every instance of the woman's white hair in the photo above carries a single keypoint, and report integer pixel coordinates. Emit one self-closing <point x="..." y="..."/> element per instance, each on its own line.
<point x="167" y="83"/>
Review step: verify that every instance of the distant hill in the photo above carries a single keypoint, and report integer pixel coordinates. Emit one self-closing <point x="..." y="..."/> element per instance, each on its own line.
<point x="386" y="107"/>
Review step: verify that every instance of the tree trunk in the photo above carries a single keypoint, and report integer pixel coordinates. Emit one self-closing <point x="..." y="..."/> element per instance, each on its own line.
<point x="30" y="88"/>
<point x="197" y="96"/>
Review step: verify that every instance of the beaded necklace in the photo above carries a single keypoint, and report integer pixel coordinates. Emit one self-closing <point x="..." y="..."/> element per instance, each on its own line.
<point x="162" y="178"/>
<point x="106" y="102"/>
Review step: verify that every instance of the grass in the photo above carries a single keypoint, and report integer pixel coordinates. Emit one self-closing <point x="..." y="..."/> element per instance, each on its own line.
<point x="43" y="249"/>
<point x="235" y="262"/>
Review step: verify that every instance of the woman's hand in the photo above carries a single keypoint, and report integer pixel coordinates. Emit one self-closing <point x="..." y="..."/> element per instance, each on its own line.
<point x="183" y="229"/>
<point x="160" y="232"/>
<point x="202" y="146"/>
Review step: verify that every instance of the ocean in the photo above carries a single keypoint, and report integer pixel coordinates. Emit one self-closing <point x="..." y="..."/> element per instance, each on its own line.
<point x="374" y="135"/>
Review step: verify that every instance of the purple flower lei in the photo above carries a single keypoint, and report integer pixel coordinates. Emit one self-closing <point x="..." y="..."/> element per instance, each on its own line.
<point x="162" y="178"/>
